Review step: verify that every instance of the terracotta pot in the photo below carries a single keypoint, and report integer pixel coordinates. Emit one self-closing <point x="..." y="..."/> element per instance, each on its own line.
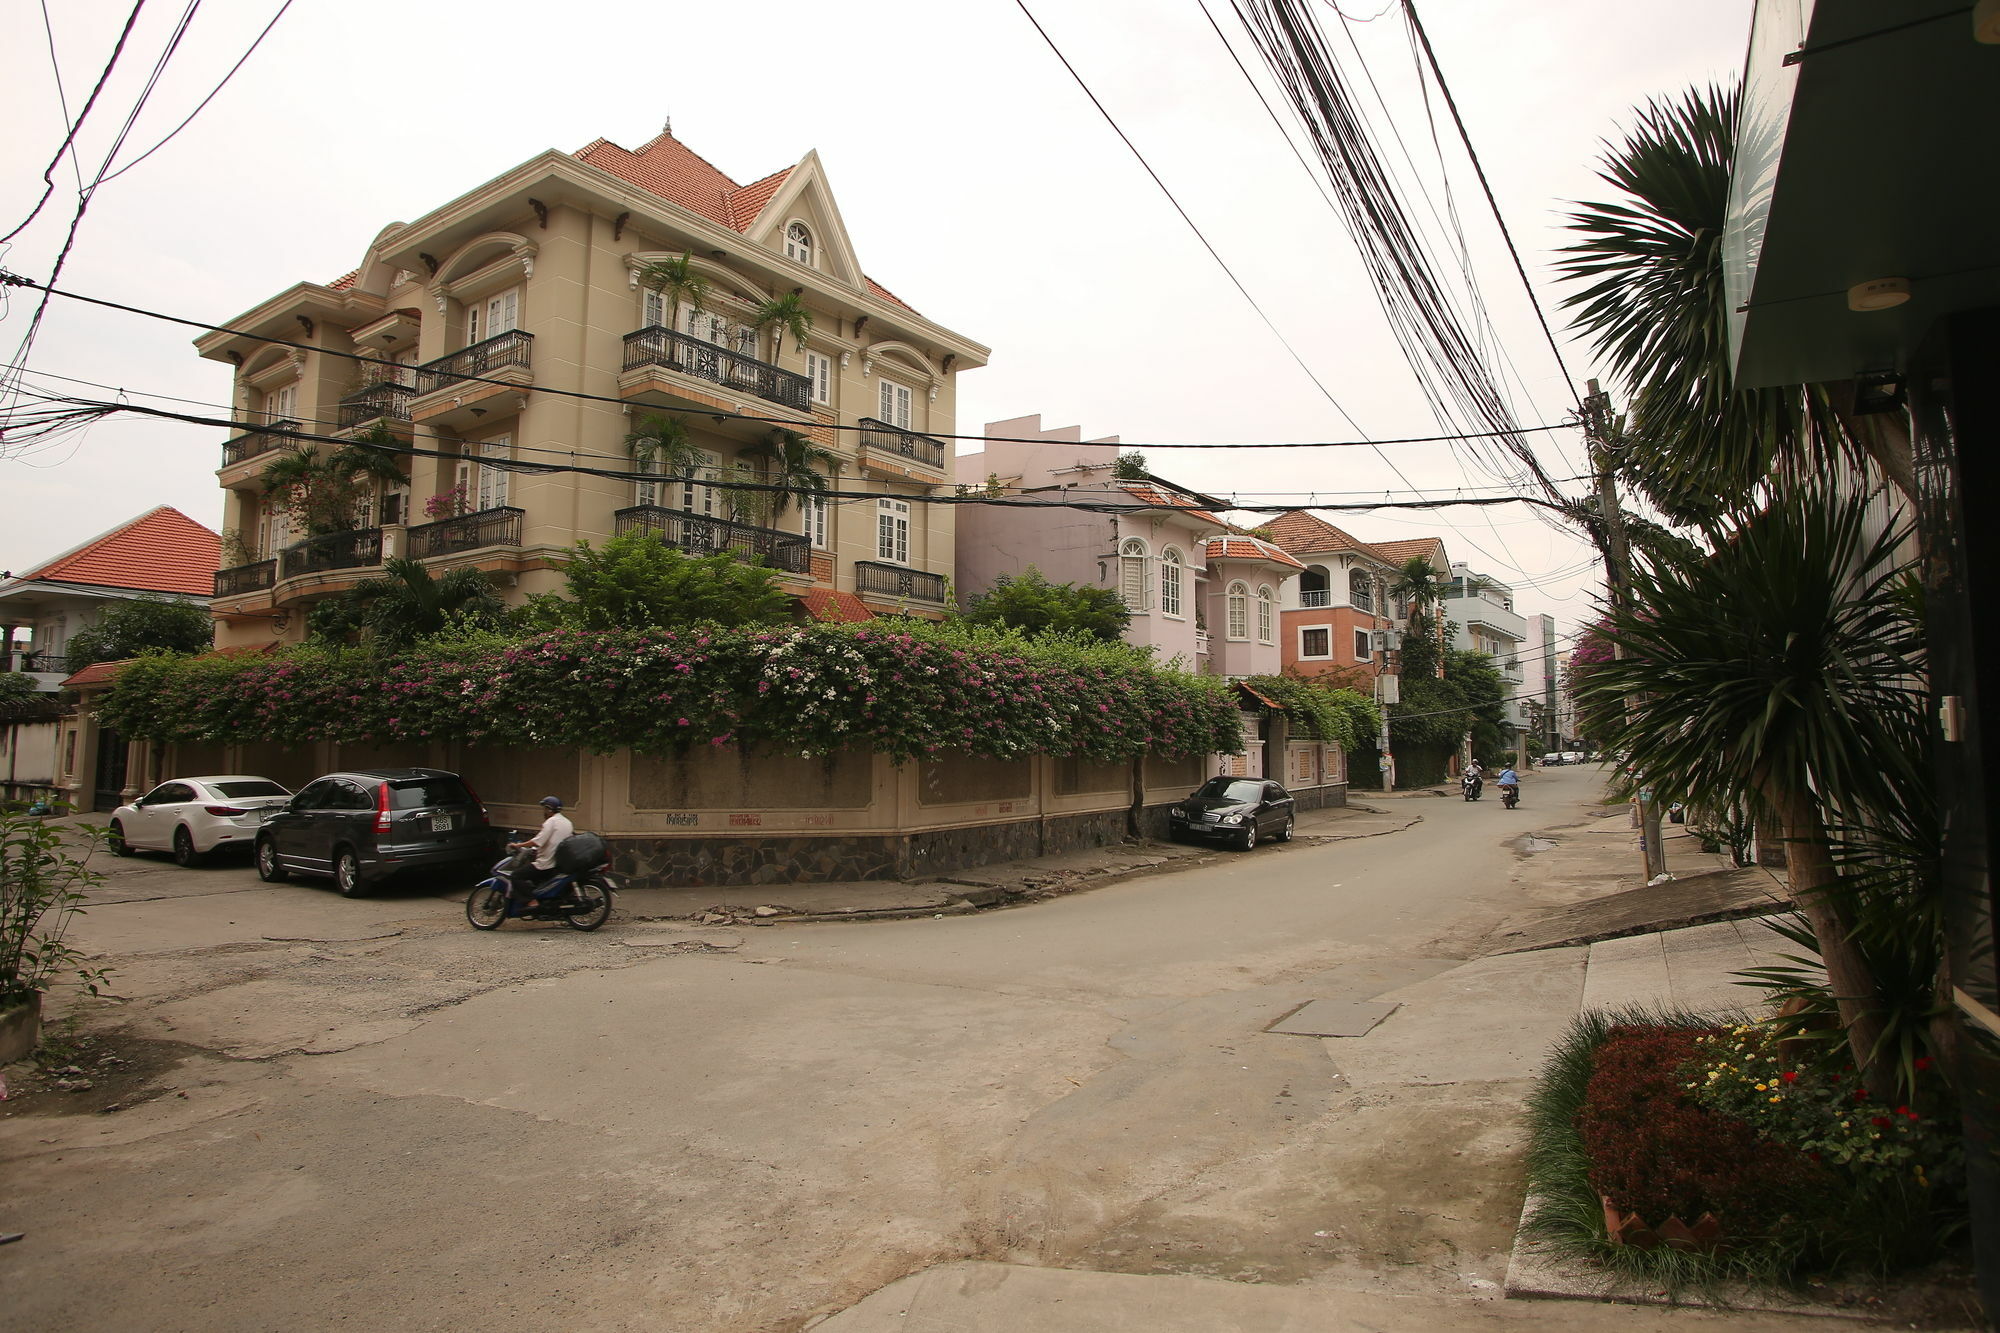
<point x="20" y="1029"/>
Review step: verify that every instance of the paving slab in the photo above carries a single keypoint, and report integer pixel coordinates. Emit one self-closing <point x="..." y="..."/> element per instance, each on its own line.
<point x="1333" y="1018"/>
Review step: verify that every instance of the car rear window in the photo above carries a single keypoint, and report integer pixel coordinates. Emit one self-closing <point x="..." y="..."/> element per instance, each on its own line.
<point x="428" y="791"/>
<point x="237" y="790"/>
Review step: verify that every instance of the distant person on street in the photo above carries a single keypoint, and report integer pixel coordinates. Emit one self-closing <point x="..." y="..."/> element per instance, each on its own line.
<point x="1509" y="778"/>
<point x="549" y="837"/>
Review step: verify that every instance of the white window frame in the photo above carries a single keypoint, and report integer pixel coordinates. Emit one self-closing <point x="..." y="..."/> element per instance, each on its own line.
<point x="654" y="312"/>
<point x="1236" y="605"/>
<point x="1172" y="571"/>
<point x="1305" y="656"/>
<point x="491" y="315"/>
<point x="815" y="514"/>
<point x="799" y="244"/>
<point x="1132" y="590"/>
<point x="819" y="369"/>
<point x="647" y="493"/>
<point x="1364" y="646"/>
<point x="486" y="482"/>
<point x="699" y="499"/>
<point x="282" y="403"/>
<point x="1267" y="614"/>
<point x="892" y="531"/>
<point x="893" y="401"/>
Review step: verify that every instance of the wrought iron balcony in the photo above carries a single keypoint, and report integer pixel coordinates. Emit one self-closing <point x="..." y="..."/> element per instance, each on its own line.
<point x="895" y="581"/>
<point x="895" y="440"/>
<point x="358" y="549"/>
<point x="513" y="348"/>
<point x="709" y="361"/>
<point x="1316" y="597"/>
<point x="255" y="442"/>
<point x="252" y="577"/>
<point x="386" y="399"/>
<point x="48" y="663"/>
<point x="699" y="535"/>
<point x="467" y="532"/>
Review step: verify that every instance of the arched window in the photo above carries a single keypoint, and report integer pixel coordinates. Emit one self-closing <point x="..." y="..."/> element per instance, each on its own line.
<point x="1170" y="581"/>
<point x="1361" y="590"/>
<point x="1267" y="605"/>
<point x="1239" y="610"/>
<point x="1132" y="574"/>
<point x="799" y="244"/>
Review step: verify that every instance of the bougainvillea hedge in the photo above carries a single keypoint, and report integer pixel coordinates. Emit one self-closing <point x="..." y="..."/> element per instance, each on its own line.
<point x="812" y="689"/>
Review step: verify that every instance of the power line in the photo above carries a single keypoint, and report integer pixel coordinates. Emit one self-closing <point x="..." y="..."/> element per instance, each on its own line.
<point x="48" y="173"/>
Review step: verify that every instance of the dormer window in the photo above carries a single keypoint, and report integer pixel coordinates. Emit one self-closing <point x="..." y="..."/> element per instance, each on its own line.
<point x="799" y="244"/>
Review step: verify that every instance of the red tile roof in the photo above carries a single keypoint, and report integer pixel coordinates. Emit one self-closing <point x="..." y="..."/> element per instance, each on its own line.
<point x="162" y="550"/>
<point x="670" y="169"/>
<point x="101" y="673"/>
<point x="827" y="604"/>
<point x="1303" y="534"/>
<point x="1156" y="498"/>
<point x="345" y="280"/>
<point x="1397" y="552"/>
<point x="1249" y="548"/>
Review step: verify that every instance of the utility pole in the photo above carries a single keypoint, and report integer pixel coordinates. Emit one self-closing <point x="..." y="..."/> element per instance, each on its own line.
<point x="1618" y="578"/>
<point x="1388" y="690"/>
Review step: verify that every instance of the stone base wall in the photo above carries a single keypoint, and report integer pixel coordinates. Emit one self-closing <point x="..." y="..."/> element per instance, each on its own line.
<point x="1321" y="798"/>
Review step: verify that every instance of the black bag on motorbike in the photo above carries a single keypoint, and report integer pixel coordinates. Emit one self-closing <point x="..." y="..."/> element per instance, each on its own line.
<point x="580" y="852"/>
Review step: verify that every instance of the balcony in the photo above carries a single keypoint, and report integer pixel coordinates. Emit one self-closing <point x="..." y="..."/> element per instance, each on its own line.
<point x="883" y="580"/>
<point x="254" y="577"/>
<point x="253" y="443"/>
<point x="1317" y="597"/>
<point x="709" y="361"/>
<point x="467" y="532"/>
<point x="359" y="549"/>
<point x="55" y="664"/>
<point x="700" y="535"/>
<point x="881" y="436"/>
<point x="386" y="401"/>
<point x="511" y="349"/>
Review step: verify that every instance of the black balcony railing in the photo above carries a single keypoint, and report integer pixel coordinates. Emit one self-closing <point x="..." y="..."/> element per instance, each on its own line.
<point x="257" y="442"/>
<point x="705" y="536"/>
<point x="895" y="581"/>
<point x="336" y="550"/>
<point x="377" y="400"/>
<point x="467" y="532"/>
<point x="512" y="348"/>
<point x="55" y="663"/>
<point x="656" y="346"/>
<point x="895" y="440"/>
<point x="246" y="578"/>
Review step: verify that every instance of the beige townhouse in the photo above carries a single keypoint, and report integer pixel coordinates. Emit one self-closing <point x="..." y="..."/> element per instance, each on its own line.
<point x="513" y="328"/>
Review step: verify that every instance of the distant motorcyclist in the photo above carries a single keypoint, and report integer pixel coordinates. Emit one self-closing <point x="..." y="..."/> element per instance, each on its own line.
<point x="1510" y="784"/>
<point x="1471" y="781"/>
<point x="549" y="837"/>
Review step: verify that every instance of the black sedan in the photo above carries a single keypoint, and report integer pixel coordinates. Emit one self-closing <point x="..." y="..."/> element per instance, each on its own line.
<point x="1238" y="810"/>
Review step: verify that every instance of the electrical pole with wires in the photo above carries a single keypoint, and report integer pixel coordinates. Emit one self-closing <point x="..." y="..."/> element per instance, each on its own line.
<point x="1599" y="430"/>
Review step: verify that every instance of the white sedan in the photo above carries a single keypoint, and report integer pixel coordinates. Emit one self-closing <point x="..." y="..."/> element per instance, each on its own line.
<point x="192" y="817"/>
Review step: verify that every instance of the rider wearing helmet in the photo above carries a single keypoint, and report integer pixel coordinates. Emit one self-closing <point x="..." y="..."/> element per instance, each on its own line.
<point x="549" y="837"/>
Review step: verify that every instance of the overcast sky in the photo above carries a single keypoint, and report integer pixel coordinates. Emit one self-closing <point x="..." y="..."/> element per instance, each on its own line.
<point x="975" y="178"/>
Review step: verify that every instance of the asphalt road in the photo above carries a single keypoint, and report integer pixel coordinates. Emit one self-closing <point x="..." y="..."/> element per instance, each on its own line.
<point x="364" y="1114"/>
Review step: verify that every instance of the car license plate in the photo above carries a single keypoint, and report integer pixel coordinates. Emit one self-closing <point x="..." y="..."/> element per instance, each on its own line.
<point x="440" y="823"/>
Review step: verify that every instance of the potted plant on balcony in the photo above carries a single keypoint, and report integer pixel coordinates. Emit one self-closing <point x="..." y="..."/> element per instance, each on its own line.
<point x="793" y="463"/>
<point x="678" y="282"/>
<point x="783" y="314"/>
<point x="42" y="879"/>
<point x="323" y="490"/>
<point x="663" y="440"/>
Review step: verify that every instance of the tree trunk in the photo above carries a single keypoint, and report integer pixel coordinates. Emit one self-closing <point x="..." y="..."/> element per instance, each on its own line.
<point x="1814" y="881"/>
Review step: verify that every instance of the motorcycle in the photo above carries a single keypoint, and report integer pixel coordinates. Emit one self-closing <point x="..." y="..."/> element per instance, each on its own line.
<point x="1510" y="795"/>
<point x="1472" y="784"/>
<point x="578" y="895"/>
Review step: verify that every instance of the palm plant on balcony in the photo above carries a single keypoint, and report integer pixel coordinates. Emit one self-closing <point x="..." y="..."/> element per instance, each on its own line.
<point x="407" y="603"/>
<point x="323" y="490"/>
<point x="678" y="282"/>
<point x="783" y="314"/>
<point x="1419" y="583"/>
<point x="793" y="463"/>
<point x="663" y="440"/>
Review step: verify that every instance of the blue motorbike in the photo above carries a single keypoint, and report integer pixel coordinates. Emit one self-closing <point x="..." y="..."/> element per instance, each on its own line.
<point x="578" y="894"/>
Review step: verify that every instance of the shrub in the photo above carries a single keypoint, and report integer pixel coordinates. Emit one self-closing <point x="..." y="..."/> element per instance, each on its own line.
<point x="42" y="879"/>
<point x="1655" y="1151"/>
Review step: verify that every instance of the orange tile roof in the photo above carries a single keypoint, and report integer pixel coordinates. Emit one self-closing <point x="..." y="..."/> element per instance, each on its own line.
<point x="1399" y="551"/>
<point x="345" y="280"/>
<point x="1303" y="534"/>
<point x="670" y="169"/>
<point x="828" y="605"/>
<point x="162" y="550"/>
<point x="1155" y="498"/>
<point x="1249" y="548"/>
<point x="101" y="673"/>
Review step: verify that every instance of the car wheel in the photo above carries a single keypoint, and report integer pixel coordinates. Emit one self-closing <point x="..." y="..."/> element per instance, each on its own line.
<point x="115" y="839"/>
<point x="185" y="855"/>
<point x="1249" y="836"/>
<point x="486" y="906"/>
<point x="269" y="868"/>
<point x="347" y="874"/>
<point x="1284" y="833"/>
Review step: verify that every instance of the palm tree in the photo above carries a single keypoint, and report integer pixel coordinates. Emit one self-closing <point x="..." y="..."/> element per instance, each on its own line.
<point x="324" y="489"/>
<point x="1655" y="309"/>
<point x="794" y="464"/>
<point x="664" y="440"/>
<point x="783" y="314"/>
<point x="1778" y="672"/>
<point x="405" y="603"/>
<point x="678" y="282"/>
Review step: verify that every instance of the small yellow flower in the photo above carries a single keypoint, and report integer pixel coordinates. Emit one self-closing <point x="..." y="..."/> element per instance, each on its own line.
<point x="1777" y="1099"/>
<point x="1762" y="1088"/>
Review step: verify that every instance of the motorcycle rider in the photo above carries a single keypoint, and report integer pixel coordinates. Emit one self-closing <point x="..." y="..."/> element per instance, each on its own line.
<point x="549" y="837"/>
<point x="1510" y="783"/>
<point x="1471" y="780"/>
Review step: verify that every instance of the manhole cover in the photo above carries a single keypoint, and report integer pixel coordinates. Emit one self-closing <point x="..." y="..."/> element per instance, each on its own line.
<point x="1333" y="1018"/>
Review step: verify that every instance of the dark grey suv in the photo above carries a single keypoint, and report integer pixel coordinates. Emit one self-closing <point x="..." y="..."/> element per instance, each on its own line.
<point x="359" y="828"/>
